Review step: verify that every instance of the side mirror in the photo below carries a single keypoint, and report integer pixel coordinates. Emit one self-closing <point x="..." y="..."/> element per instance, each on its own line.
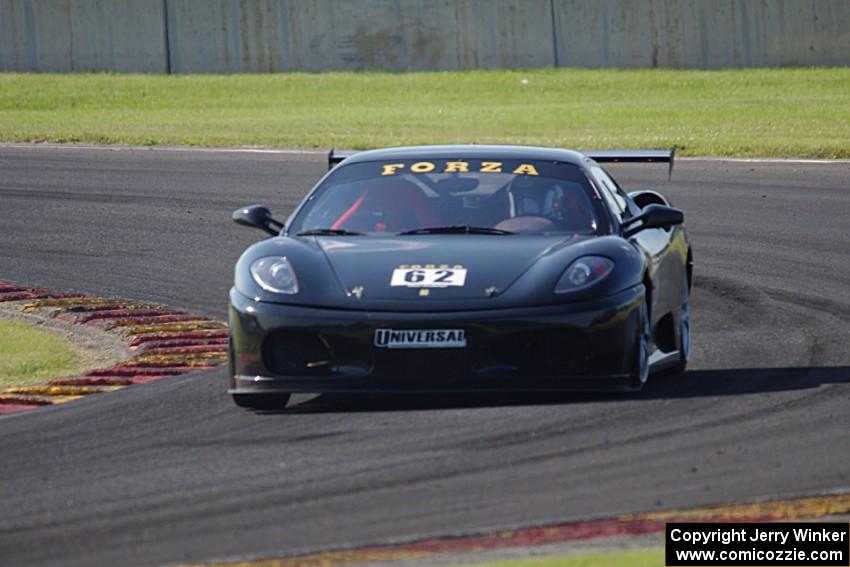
<point x="653" y="216"/>
<point x="257" y="216"/>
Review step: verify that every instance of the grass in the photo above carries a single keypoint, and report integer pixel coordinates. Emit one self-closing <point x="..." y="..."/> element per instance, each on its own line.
<point x="640" y="558"/>
<point x="743" y="112"/>
<point x="30" y="356"/>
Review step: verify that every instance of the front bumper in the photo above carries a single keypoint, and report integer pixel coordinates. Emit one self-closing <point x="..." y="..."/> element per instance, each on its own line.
<point x="586" y="346"/>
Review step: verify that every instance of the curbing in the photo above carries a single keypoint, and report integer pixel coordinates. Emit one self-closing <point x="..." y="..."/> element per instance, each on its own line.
<point x="465" y="548"/>
<point x="165" y="342"/>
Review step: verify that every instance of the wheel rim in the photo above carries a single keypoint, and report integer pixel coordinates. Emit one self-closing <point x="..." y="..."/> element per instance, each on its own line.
<point x="685" y="328"/>
<point x="643" y="353"/>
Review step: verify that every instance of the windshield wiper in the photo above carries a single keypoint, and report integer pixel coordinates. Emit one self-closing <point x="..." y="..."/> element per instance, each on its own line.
<point x="328" y="232"/>
<point x="463" y="229"/>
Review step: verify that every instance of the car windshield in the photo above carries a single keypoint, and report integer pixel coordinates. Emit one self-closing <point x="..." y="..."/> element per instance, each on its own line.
<point x="474" y="196"/>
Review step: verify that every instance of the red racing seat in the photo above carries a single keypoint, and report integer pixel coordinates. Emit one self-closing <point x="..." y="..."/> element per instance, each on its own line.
<point x="392" y="205"/>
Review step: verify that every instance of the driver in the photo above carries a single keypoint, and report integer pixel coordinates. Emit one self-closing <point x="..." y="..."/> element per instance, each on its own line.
<point x="547" y="205"/>
<point x="522" y="200"/>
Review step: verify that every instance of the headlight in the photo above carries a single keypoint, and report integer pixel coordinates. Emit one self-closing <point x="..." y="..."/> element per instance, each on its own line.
<point x="275" y="274"/>
<point x="583" y="273"/>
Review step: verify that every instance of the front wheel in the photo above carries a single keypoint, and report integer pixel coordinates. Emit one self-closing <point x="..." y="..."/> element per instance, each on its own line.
<point x="643" y="339"/>
<point x="261" y="401"/>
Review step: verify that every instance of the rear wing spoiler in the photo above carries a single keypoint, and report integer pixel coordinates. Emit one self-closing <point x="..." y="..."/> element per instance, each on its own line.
<point x="335" y="157"/>
<point x="635" y="156"/>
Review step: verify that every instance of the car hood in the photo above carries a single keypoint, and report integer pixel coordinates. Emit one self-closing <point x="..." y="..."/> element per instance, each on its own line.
<point x="356" y="272"/>
<point x="492" y="263"/>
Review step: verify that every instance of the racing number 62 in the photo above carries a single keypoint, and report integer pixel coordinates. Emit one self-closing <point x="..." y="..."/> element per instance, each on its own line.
<point x="428" y="277"/>
<point x="418" y="276"/>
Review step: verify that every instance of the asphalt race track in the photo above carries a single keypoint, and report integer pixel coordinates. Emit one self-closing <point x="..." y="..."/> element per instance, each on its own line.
<point x="173" y="471"/>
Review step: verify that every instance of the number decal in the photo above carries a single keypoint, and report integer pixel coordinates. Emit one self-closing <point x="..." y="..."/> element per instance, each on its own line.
<point x="444" y="276"/>
<point x="428" y="277"/>
<point x="414" y="276"/>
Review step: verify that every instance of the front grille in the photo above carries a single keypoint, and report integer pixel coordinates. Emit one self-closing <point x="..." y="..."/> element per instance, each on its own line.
<point x="502" y="349"/>
<point x="296" y="353"/>
<point x="555" y="353"/>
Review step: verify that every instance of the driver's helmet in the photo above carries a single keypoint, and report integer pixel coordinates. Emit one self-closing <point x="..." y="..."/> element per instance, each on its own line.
<point x="524" y="197"/>
<point x="530" y="196"/>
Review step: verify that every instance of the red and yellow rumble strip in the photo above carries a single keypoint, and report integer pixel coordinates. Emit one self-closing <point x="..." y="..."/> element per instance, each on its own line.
<point x="167" y="342"/>
<point x="638" y="524"/>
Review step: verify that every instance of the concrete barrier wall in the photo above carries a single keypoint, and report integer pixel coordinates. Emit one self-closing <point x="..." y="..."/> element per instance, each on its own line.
<point x="188" y="36"/>
<point x="82" y="35"/>
<point x="702" y="33"/>
<point x="397" y="35"/>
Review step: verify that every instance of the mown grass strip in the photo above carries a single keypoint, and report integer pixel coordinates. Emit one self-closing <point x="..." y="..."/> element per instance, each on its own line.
<point x="29" y="356"/>
<point x="638" y="558"/>
<point x="742" y="112"/>
<point x="633" y="558"/>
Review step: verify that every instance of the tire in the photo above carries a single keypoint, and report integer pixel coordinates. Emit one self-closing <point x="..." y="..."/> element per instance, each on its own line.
<point x="261" y="401"/>
<point x="231" y="362"/>
<point x="684" y="331"/>
<point x="643" y="339"/>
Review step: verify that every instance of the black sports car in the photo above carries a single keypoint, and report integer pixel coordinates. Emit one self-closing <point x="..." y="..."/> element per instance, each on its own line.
<point x="462" y="268"/>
